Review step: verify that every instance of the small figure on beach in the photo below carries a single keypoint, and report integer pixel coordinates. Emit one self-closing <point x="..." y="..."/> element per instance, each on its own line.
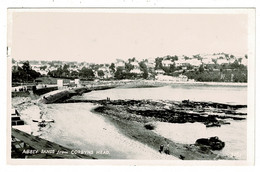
<point x="167" y="150"/>
<point x="161" y="148"/>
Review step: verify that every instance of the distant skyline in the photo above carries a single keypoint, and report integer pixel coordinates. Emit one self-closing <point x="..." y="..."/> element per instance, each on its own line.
<point x="104" y="37"/>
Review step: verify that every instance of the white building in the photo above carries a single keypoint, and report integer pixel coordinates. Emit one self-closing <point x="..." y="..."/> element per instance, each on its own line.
<point x="159" y="71"/>
<point x="167" y="63"/>
<point x="135" y="64"/>
<point x="136" y="70"/>
<point x="150" y="63"/>
<point x="194" y="62"/>
<point x="120" y="64"/>
<point x="244" y="61"/>
<point x="181" y="62"/>
<point x="222" y="61"/>
<point x="207" y="61"/>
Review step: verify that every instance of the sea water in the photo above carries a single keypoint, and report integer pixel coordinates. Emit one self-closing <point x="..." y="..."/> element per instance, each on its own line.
<point x="177" y="92"/>
<point x="234" y="135"/>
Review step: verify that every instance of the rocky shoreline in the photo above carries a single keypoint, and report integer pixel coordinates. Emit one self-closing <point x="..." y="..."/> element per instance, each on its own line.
<point x="136" y="118"/>
<point x="209" y="113"/>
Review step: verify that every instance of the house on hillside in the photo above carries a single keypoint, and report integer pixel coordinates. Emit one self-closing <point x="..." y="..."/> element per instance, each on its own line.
<point x="137" y="71"/>
<point x="159" y="71"/>
<point x="167" y="63"/>
<point x="150" y="63"/>
<point x="222" y="61"/>
<point x="181" y="62"/>
<point x="36" y="67"/>
<point x="135" y="64"/>
<point x="120" y="63"/>
<point x="207" y="61"/>
<point x="194" y="62"/>
<point x="52" y="68"/>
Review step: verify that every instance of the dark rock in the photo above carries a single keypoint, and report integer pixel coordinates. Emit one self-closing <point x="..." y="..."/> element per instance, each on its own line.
<point x="213" y="142"/>
<point x="149" y="126"/>
<point x="212" y="124"/>
<point x="182" y="157"/>
<point x="208" y="113"/>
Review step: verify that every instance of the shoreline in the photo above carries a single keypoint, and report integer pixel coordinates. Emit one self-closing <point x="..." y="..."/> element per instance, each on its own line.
<point x="157" y="83"/>
<point x="134" y="124"/>
<point x="103" y="85"/>
<point x="136" y="131"/>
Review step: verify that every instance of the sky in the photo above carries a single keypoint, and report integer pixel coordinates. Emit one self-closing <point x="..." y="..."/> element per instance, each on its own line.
<point x="102" y="37"/>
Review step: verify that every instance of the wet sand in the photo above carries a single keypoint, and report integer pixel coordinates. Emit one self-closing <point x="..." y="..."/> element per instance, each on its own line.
<point x="77" y="128"/>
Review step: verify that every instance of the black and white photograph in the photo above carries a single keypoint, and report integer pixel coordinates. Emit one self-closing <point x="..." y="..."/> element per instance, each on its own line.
<point x="131" y="84"/>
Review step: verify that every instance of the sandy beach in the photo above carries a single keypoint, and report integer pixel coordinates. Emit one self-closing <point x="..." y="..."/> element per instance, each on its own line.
<point x="79" y="129"/>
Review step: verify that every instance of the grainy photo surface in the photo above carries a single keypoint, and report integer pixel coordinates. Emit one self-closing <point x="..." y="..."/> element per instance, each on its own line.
<point x="129" y="84"/>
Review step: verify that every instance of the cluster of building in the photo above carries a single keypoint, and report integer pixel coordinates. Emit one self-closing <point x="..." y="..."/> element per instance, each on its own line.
<point x="181" y="63"/>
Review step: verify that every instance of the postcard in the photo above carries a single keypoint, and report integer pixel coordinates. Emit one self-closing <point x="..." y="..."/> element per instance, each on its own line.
<point x="131" y="86"/>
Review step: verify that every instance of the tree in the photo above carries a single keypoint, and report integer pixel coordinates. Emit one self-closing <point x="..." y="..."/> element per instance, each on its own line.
<point x="232" y="56"/>
<point x="131" y="60"/>
<point x="112" y="67"/>
<point x="26" y="66"/>
<point x="101" y="73"/>
<point x="214" y="61"/>
<point x="175" y="58"/>
<point x="58" y="72"/>
<point x="201" y="69"/>
<point x="143" y="68"/>
<point x="94" y="66"/>
<point x="13" y="61"/>
<point x="65" y="67"/>
<point x="227" y="56"/>
<point x="120" y="74"/>
<point x="74" y="74"/>
<point x="239" y="60"/>
<point x="65" y="70"/>
<point x="86" y="73"/>
<point x="172" y="68"/>
<point x="197" y="57"/>
<point x="129" y="67"/>
<point x="235" y="65"/>
<point x="43" y="67"/>
<point x="158" y="63"/>
<point x="172" y="58"/>
<point x="186" y="57"/>
<point x="24" y="73"/>
<point x="33" y="74"/>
